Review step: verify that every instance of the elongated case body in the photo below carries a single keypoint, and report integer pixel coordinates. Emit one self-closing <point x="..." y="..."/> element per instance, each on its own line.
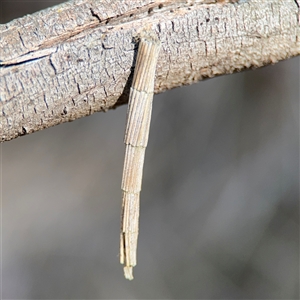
<point x="136" y="139"/>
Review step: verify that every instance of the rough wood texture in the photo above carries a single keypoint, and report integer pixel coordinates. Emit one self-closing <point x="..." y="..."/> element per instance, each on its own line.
<point x="73" y="59"/>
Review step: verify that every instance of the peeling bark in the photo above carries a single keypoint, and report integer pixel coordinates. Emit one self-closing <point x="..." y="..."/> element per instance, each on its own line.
<point x="77" y="58"/>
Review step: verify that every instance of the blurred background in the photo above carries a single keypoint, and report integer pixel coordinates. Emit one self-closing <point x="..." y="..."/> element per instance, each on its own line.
<point x="219" y="205"/>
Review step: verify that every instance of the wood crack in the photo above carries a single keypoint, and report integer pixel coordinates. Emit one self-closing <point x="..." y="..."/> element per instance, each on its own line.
<point x="28" y="57"/>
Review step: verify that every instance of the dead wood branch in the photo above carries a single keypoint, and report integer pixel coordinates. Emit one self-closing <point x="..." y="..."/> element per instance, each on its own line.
<point x="76" y="58"/>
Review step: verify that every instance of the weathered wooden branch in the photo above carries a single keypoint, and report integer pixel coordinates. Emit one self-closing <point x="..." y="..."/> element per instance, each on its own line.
<point x="76" y="58"/>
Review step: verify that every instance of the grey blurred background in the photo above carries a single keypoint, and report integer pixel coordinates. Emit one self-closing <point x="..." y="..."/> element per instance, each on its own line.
<point x="219" y="205"/>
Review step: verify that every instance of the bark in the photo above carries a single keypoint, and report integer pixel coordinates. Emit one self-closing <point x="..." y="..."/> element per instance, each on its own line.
<point x="77" y="58"/>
